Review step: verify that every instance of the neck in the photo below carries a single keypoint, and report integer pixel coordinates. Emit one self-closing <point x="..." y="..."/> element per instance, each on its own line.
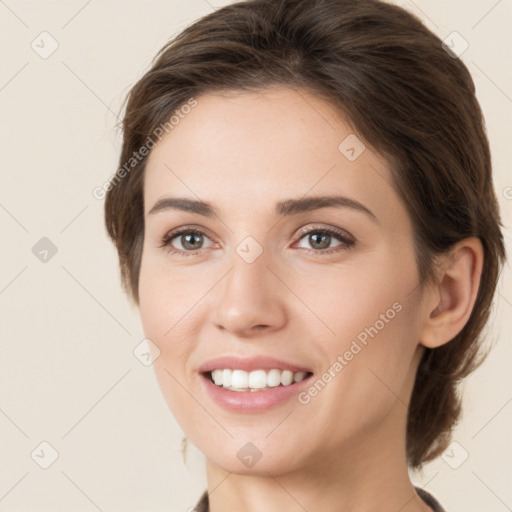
<point x="370" y="474"/>
<point x="366" y="473"/>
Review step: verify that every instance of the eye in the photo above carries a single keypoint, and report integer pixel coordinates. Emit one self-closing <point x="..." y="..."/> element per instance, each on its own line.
<point x="191" y="240"/>
<point x="320" y="239"/>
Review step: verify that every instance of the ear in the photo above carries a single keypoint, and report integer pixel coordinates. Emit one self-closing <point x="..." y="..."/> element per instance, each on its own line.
<point x="449" y="303"/>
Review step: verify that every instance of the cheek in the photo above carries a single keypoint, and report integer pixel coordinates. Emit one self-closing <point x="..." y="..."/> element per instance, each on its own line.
<point x="363" y="381"/>
<point x="166" y="295"/>
<point x="169" y="309"/>
<point x="370" y="294"/>
<point x="170" y="321"/>
<point x="373" y="321"/>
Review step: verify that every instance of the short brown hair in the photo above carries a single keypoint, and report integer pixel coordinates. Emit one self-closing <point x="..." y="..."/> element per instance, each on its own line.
<point x="404" y="95"/>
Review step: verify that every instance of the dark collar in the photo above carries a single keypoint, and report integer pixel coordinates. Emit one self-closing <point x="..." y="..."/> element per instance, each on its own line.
<point x="203" y="505"/>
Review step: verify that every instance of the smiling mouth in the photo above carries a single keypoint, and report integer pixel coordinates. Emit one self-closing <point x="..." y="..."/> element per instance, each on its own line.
<point x="256" y="380"/>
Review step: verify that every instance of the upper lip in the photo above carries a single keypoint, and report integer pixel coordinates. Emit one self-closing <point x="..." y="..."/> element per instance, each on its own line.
<point x="249" y="364"/>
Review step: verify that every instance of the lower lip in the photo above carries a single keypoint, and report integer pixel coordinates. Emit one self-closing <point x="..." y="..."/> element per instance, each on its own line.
<point x="252" y="401"/>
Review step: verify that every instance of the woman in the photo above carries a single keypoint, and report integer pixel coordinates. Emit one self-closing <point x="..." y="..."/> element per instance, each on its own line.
<point x="305" y="217"/>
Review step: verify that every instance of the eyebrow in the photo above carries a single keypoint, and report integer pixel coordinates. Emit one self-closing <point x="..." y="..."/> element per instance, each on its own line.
<point x="283" y="208"/>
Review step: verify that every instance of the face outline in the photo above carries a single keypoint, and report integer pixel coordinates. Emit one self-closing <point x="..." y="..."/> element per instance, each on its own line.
<point x="288" y="303"/>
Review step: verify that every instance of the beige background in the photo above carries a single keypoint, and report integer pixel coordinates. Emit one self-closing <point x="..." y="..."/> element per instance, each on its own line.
<point x="67" y="372"/>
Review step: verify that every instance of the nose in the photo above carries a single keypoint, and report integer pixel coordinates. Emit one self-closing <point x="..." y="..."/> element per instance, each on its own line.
<point x="251" y="299"/>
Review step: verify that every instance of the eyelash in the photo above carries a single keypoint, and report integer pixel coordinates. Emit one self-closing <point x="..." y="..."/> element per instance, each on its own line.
<point x="347" y="242"/>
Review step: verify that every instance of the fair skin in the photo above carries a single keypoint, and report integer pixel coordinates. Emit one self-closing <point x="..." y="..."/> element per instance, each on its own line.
<point x="345" y="448"/>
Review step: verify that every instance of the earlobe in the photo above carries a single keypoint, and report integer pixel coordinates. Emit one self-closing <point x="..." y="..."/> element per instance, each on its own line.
<point x="449" y="304"/>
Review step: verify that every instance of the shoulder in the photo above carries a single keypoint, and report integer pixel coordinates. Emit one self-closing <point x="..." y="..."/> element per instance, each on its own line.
<point x="202" y="504"/>
<point x="429" y="500"/>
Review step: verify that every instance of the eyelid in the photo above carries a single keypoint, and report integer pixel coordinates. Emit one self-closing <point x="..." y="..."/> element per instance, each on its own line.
<point x="319" y="227"/>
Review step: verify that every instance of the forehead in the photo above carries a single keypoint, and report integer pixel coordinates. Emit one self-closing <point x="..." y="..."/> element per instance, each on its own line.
<point x="234" y="147"/>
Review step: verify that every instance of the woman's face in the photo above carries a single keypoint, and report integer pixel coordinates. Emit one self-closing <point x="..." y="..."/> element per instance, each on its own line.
<point x="258" y="278"/>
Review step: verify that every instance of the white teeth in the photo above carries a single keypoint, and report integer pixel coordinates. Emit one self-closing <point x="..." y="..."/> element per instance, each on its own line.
<point x="240" y="380"/>
<point x="258" y="379"/>
<point x="217" y="377"/>
<point x="226" y="377"/>
<point x="297" y="377"/>
<point x="274" y="378"/>
<point x="286" y="377"/>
